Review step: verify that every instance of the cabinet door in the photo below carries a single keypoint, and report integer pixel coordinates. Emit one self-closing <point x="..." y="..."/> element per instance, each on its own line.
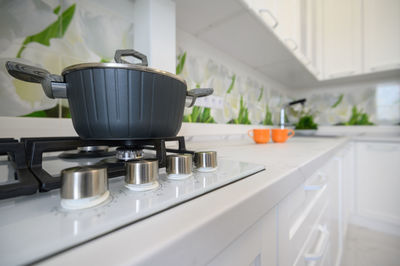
<point x="255" y="247"/>
<point x="381" y="34"/>
<point x="378" y="182"/>
<point x="341" y="38"/>
<point x="311" y="35"/>
<point x="288" y="29"/>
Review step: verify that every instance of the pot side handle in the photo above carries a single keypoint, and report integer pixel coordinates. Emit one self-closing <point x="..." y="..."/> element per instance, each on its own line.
<point x="196" y="93"/>
<point x="53" y="85"/>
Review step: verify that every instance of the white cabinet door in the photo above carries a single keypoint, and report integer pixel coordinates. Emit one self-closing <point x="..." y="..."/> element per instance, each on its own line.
<point x="311" y="35"/>
<point x="381" y="34"/>
<point x="288" y="29"/>
<point x="255" y="247"/>
<point x="378" y="181"/>
<point x="341" y="38"/>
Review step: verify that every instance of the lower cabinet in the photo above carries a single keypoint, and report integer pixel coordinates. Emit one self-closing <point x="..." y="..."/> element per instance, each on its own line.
<point x="378" y="183"/>
<point x="309" y="220"/>
<point x="255" y="247"/>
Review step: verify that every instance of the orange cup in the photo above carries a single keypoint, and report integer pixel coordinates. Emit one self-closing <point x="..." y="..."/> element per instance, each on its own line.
<point x="260" y="136"/>
<point x="281" y="135"/>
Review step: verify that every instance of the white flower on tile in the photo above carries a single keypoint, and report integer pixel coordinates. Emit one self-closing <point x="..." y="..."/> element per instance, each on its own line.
<point x="21" y="18"/>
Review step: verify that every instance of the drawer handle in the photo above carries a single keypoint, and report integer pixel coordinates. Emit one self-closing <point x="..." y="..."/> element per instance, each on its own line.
<point x="276" y="23"/>
<point x="317" y="186"/>
<point x="321" y="245"/>
<point x="290" y="40"/>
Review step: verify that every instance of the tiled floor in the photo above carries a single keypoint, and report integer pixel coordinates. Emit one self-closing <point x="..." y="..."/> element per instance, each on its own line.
<point x="364" y="247"/>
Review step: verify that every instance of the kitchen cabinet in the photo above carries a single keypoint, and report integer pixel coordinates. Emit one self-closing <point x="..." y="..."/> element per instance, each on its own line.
<point x="311" y="35"/>
<point x="309" y="220"/>
<point x="301" y="43"/>
<point x="256" y="246"/>
<point x="381" y="35"/>
<point x="341" y="38"/>
<point x="378" y="182"/>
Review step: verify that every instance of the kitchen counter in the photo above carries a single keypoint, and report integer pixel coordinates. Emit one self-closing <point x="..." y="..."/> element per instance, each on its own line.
<point x="214" y="220"/>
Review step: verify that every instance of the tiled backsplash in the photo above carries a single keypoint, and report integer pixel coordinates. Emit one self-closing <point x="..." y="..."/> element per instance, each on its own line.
<point x="247" y="96"/>
<point x="54" y="34"/>
<point x="378" y="101"/>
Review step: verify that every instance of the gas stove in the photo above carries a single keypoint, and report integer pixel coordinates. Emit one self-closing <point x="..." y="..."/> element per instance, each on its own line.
<point x="60" y="192"/>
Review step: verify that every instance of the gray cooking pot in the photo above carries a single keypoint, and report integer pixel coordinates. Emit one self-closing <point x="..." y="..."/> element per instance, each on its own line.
<point x="117" y="100"/>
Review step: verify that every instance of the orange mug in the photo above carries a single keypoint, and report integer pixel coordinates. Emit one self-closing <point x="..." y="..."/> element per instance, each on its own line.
<point x="281" y="135"/>
<point x="259" y="135"/>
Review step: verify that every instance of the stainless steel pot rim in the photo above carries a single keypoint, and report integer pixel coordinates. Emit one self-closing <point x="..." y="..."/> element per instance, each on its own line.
<point x="82" y="66"/>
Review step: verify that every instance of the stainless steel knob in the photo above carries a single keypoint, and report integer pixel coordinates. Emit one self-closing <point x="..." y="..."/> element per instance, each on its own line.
<point x="205" y="161"/>
<point x="83" y="186"/>
<point x="179" y="166"/>
<point x="141" y="173"/>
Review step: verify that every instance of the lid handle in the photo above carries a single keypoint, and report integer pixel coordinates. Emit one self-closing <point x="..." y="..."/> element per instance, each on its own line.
<point x="130" y="52"/>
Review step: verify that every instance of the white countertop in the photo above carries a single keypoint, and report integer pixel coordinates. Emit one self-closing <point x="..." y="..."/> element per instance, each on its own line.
<point x="215" y="219"/>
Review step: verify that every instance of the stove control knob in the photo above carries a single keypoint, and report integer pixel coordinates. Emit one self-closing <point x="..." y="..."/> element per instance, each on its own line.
<point x="179" y="166"/>
<point x="205" y="161"/>
<point x="83" y="186"/>
<point x="142" y="175"/>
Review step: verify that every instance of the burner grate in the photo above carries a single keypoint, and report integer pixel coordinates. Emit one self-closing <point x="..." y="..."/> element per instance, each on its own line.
<point x="26" y="183"/>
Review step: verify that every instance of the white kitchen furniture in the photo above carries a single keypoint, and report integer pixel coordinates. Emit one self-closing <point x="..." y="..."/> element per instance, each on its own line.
<point x="341" y="38"/>
<point x="304" y="43"/>
<point x="256" y="246"/>
<point x="377" y="185"/>
<point x="381" y="35"/>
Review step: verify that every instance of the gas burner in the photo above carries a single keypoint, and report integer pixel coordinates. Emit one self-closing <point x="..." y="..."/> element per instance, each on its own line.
<point x="128" y="154"/>
<point x="91" y="151"/>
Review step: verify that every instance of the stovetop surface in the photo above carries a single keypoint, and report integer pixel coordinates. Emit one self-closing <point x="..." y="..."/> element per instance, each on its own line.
<point x="34" y="227"/>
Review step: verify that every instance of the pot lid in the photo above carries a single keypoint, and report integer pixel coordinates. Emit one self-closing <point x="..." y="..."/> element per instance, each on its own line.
<point x="120" y="63"/>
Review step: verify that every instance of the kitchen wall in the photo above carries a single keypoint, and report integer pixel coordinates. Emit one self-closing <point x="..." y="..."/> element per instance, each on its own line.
<point x="241" y="94"/>
<point x="53" y="34"/>
<point x="376" y="102"/>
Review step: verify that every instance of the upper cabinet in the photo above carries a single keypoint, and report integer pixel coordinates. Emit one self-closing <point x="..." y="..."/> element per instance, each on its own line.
<point x="301" y="43"/>
<point x="381" y="35"/>
<point x="341" y="38"/>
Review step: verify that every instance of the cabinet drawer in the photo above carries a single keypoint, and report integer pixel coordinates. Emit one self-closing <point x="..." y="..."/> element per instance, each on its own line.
<point x="316" y="250"/>
<point x="298" y="213"/>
